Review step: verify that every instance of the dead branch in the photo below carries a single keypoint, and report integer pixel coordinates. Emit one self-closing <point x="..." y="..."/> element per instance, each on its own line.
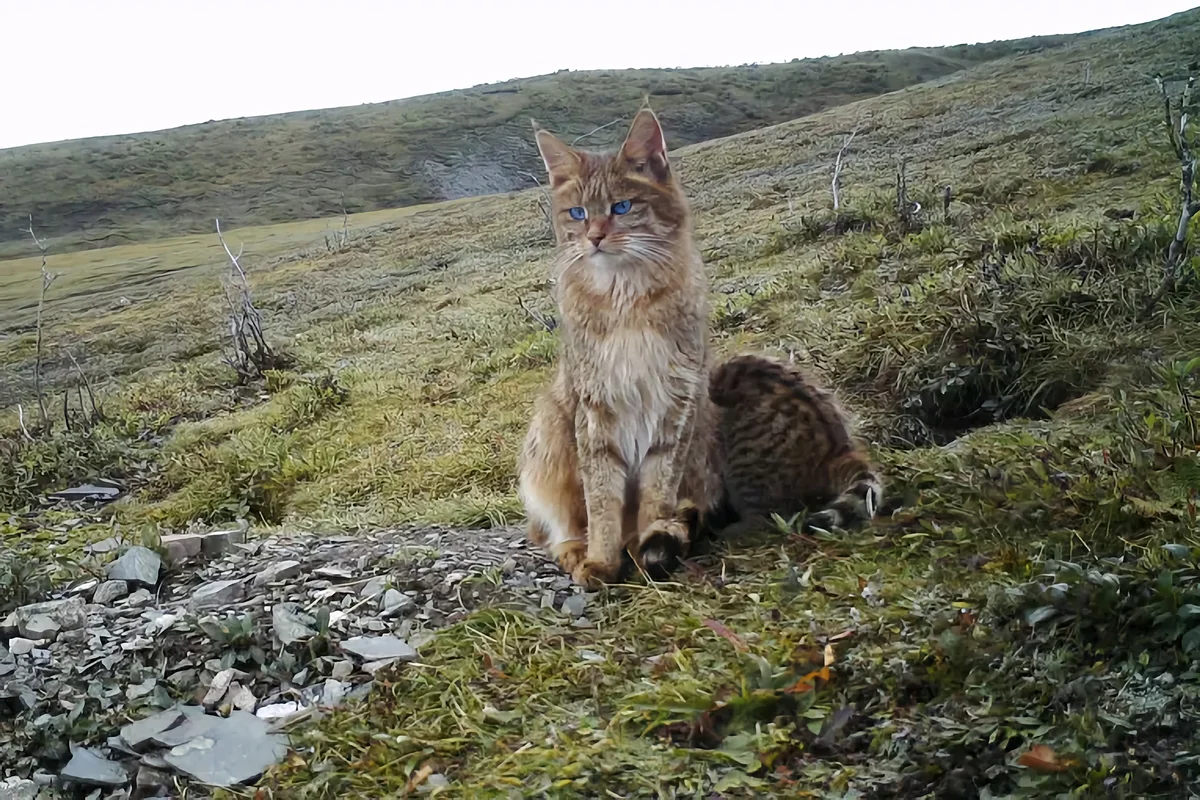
<point x="549" y="323"/>
<point x="906" y="209"/>
<point x="249" y="354"/>
<point x="21" y="422"/>
<point x="47" y="279"/>
<point x="594" y="131"/>
<point x="837" y="168"/>
<point x="1183" y="143"/>
<point x="96" y="414"/>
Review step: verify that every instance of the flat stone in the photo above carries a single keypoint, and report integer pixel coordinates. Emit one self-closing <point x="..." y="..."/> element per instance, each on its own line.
<point x="371" y="667"/>
<point x="220" y="685"/>
<point x="139" y="565"/>
<point x="289" y="624"/>
<point x="39" y="628"/>
<point x="68" y="614"/>
<point x="195" y="723"/>
<point x="241" y="697"/>
<point x="395" y="603"/>
<point x="283" y="571"/>
<point x="88" y="491"/>
<point x="334" y="573"/>
<point x="216" y="542"/>
<point x="181" y="546"/>
<point x="333" y="692"/>
<point x="378" y="648"/>
<point x="139" y="599"/>
<point x="108" y="545"/>
<point x="91" y="769"/>
<point x="109" y="592"/>
<point x="138" y="734"/>
<point x="574" y="605"/>
<point x="15" y="788"/>
<point x="233" y="751"/>
<point x="373" y="588"/>
<point x="218" y="593"/>
<point x="278" y="711"/>
<point x="342" y="670"/>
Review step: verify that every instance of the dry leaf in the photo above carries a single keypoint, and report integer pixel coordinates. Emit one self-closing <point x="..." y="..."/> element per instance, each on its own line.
<point x="808" y="682"/>
<point x="846" y="634"/>
<point x="723" y="631"/>
<point x="417" y="779"/>
<point x="829" y="655"/>
<point x="1041" y="758"/>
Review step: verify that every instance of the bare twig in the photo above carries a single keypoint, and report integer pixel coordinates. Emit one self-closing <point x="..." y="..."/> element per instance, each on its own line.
<point x="545" y="203"/>
<point x="47" y="279"/>
<point x="835" y="186"/>
<point x="594" y="131"/>
<point x="21" y="422"/>
<point x="250" y="355"/>
<point x="1183" y="142"/>
<point x="906" y="209"/>
<point x="549" y="323"/>
<point x="96" y="414"/>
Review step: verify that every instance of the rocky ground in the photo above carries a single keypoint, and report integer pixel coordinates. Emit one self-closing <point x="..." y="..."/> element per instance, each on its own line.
<point x="187" y="664"/>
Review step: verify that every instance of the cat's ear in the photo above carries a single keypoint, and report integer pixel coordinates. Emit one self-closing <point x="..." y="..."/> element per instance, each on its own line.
<point x="645" y="147"/>
<point x="561" y="161"/>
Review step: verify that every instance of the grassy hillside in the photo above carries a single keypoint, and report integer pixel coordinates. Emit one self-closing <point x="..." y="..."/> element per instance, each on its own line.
<point x="116" y="190"/>
<point x="1040" y="586"/>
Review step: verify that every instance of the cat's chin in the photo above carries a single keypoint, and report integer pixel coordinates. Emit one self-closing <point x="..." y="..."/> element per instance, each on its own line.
<point x="607" y="260"/>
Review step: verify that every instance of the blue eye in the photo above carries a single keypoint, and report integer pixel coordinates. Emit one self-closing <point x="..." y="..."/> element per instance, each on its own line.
<point x="578" y="213"/>
<point x="621" y="207"/>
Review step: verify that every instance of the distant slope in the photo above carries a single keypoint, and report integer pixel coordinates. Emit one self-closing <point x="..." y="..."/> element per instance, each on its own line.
<point x="114" y="190"/>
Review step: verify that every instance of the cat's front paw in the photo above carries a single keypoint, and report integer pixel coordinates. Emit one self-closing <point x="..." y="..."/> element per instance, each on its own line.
<point x="662" y="545"/>
<point x="591" y="575"/>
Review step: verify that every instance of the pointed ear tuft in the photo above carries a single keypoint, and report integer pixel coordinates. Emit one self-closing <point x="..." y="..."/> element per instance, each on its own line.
<point x="561" y="161"/>
<point x="645" y="147"/>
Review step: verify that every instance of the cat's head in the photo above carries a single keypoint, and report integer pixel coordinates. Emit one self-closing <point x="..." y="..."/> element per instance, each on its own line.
<point x="622" y="208"/>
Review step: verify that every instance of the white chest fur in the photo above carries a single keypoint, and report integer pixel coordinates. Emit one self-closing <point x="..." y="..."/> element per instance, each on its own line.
<point x="642" y="384"/>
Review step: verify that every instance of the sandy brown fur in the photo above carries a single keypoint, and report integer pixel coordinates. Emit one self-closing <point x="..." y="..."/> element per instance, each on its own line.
<point x="787" y="446"/>
<point x="623" y="439"/>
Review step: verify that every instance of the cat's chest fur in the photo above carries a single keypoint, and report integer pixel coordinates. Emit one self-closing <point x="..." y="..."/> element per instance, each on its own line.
<point x="639" y="375"/>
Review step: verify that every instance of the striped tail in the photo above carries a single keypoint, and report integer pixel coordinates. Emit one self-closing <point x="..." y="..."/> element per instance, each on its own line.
<point x="858" y="503"/>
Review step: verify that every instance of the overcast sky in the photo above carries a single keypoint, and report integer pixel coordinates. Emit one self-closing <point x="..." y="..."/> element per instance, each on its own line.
<point x="96" y="67"/>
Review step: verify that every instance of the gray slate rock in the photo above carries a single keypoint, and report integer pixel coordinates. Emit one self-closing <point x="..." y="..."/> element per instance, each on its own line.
<point x="232" y="751"/>
<point x="21" y="647"/>
<point x="137" y="735"/>
<point x="39" y="628"/>
<point x="91" y="769"/>
<point x="182" y="546"/>
<point x="574" y="605"/>
<point x="138" y="565"/>
<point x="109" y="592"/>
<point x="68" y="614"/>
<point x="218" y="593"/>
<point x="283" y="571"/>
<point x="379" y="648"/>
<point x="139" y="599"/>
<point x="15" y="788"/>
<point x="395" y="603"/>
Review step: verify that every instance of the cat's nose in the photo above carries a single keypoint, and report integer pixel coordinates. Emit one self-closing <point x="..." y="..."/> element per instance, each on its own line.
<point x="595" y="237"/>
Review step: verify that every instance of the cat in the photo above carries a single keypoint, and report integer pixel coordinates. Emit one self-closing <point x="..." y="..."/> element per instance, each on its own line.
<point x="620" y="453"/>
<point x="787" y="447"/>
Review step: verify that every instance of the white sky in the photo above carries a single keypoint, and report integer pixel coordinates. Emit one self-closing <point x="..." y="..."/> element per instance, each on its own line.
<point x="96" y="67"/>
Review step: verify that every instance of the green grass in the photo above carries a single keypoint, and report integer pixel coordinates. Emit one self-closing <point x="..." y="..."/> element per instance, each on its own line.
<point x="95" y="193"/>
<point x="1041" y="435"/>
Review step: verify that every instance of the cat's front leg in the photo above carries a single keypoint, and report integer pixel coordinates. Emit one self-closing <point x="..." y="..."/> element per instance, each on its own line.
<point x="603" y="474"/>
<point x="663" y="529"/>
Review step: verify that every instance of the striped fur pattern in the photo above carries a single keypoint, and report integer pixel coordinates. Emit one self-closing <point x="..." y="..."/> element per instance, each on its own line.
<point x="787" y="447"/>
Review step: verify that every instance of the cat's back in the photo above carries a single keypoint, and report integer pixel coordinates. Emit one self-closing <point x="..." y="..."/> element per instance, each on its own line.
<point x="778" y="398"/>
